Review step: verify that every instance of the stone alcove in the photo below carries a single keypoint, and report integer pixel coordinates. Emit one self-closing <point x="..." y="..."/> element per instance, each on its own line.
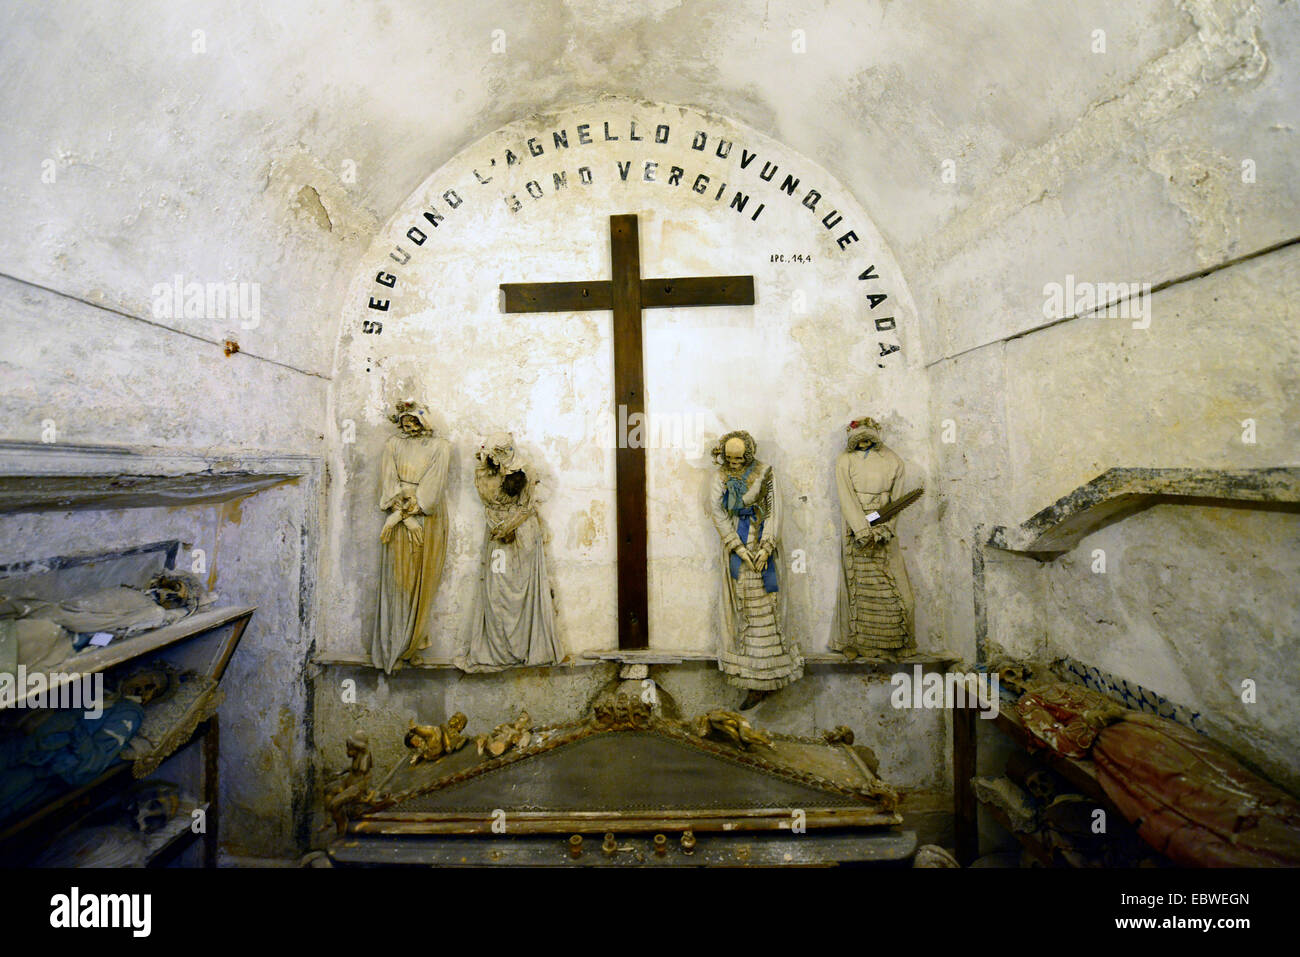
<point x="832" y="336"/>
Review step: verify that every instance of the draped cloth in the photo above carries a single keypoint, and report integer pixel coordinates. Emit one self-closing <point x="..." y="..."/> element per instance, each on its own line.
<point x="754" y="652"/>
<point x="512" y="621"/>
<point x="1192" y="800"/>
<point x="874" y="604"/>
<point x="409" y="573"/>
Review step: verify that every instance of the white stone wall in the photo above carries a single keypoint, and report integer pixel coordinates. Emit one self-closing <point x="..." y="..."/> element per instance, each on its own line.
<point x="793" y="369"/>
<point x="1184" y="179"/>
<point x="1193" y="600"/>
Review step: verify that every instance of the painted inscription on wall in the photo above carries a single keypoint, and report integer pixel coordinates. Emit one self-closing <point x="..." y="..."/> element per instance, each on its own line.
<point x="671" y="156"/>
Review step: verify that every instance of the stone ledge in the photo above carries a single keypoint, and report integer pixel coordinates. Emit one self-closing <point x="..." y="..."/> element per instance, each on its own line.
<point x="1120" y="492"/>
<point x="654" y="656"/>
<point x="41" y="477"/>
<point x="352" y="660"/>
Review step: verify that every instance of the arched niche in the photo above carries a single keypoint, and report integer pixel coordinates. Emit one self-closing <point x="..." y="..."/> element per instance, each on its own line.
<point x="832" y="335"/>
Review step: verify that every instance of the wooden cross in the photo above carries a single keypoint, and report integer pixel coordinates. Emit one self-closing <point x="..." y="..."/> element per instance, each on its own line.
<point x="627" y="294"/>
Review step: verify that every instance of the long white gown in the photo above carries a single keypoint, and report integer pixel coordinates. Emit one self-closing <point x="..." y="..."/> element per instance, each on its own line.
<point x="409" y="573"/>
<point x="512" y="622"/>
<point x="874" y="605"/>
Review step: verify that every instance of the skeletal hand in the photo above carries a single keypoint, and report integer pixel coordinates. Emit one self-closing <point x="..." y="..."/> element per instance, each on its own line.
<point x="745" y="557"/>
<point x="417" y="533"/>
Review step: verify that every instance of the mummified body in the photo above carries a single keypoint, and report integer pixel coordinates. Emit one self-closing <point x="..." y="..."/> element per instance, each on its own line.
<point x="512" y="621"/>
<point x="746" y="510"/>
<point x="414" y="537"/>
<point x="874" y="608"/>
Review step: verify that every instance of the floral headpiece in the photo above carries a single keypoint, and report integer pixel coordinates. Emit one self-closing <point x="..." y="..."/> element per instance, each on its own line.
<point x="414" y="410"/>
<point x="862" y="426"/>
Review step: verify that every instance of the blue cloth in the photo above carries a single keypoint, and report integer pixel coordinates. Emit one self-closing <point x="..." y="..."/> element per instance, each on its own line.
<point x="65" y="746"/>
<point x="733" y="500"/>
<point x="768" y="571"/>
<point x="733" y="494"/>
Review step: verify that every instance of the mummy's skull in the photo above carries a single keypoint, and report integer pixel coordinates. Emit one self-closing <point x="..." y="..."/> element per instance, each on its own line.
<point x="734" y="451"/>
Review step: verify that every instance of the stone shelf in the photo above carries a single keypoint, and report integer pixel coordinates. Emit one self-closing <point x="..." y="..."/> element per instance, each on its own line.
<point x="121" y="650"/>
<point x="925" y="660"/>
<point x="37" y="477"/>
<point x="1120" y="492"/>
<point x="352" y="660"/>
<point x="655" y="656"/>
<point x="46" y="493"/>
<point x="668" y="656"/>
<point x="649" y="656"/>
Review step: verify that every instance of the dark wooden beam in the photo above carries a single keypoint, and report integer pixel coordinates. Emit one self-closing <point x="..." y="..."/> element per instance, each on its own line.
<point x="965" y="808"/>
<point x="629" y="392"/>
<point x="556" y="296"/>
<point x="697" y="291"/>
<point x="626" y="296"/>
<point x="655" y="294"/>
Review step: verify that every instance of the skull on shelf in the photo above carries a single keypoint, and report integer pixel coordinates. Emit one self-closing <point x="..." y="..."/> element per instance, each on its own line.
<point x="175" y="589"/>
<point x="148" y="684"/>
<point x="153" y="804"/>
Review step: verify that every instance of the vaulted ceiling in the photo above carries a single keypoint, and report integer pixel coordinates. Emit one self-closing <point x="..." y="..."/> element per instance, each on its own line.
<point x="268" y="142"/>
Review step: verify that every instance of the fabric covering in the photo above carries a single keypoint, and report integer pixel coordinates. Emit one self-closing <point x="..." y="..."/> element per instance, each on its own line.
<point x="121" y="611"/>
<point x="1001" y="792"/>
<point x="169" y="723"/>
<point x="63" y="746"/>
<point x="106" y="846"/>
<point x="874" y="604"/>
<point x="36" y="644"/>
<point x="1193" y="801"/>
<point x="1066" y="717"/>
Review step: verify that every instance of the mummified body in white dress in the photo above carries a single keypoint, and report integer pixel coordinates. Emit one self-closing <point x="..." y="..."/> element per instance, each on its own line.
<point x="414" y="538"/>
<point x="874" y="608"/>
<point x="512" y="620"/>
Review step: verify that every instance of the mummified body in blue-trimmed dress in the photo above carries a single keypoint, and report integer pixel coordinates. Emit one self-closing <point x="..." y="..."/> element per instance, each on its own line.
<point x="754" y="653"/>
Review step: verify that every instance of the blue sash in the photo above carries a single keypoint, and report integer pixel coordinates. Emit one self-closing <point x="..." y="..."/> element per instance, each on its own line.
<point x="768" y="571"/>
